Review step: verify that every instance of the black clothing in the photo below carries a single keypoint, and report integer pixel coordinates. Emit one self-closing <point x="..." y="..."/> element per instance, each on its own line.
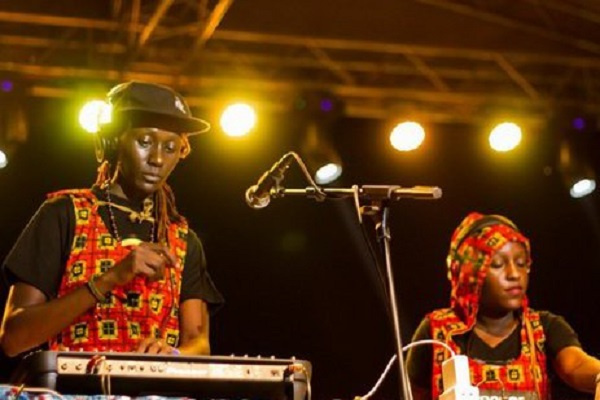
<point x="41" y="252"/>
<point x="558" y="332"/>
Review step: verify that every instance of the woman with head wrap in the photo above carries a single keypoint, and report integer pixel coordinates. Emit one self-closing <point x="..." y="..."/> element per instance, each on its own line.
<point x="512" y="349"/>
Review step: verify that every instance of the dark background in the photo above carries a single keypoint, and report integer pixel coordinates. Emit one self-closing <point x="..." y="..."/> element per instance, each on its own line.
<point x="297" y="275"/>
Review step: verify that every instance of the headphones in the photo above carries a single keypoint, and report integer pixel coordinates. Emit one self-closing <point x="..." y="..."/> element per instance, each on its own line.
<point x="106" y="143"/>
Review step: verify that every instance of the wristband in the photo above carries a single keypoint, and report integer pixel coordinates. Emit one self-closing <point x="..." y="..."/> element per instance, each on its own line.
<point x="91" y="286"/>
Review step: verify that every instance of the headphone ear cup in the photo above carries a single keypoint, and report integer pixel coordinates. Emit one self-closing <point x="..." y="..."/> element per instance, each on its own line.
<point x="110" y="149"/>
<point x="99" y="148"/>
<point x="105" y="147"/>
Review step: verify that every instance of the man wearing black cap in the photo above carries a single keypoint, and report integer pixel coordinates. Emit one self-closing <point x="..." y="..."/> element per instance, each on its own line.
<point x="115" y="267"/>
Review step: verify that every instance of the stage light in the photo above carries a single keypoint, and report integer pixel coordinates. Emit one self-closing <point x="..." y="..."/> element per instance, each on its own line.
<point x="328" y="173"/>
<point x="582" y="188"/>
<point x="575" y="169"/>
<point x="238" y="120"/>
<point x="326" y="105"/>
<point x="93" y="114"/>
<point x="407" y="136"/>
<point x="3" y="159"/>
<point x="578" y="123"/>
<point x="320" y="155"/>
<point x="505" y="136"/>
<point x="7" y="86"/>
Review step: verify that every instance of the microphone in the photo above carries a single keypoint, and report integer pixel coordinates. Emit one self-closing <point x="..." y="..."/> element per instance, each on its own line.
<point x="259" y="195"/>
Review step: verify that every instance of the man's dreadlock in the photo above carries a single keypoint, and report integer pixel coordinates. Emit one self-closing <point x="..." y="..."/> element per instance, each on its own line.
<point x="165" y="210"/>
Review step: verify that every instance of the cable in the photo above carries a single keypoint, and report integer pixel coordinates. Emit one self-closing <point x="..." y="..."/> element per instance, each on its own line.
<point x="321" y="195"/>
<point x="393" y="359"/>
<point x="429" y="341"/>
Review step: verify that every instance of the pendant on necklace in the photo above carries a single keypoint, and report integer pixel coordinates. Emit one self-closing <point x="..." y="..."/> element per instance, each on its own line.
<point x="130" y="242"/>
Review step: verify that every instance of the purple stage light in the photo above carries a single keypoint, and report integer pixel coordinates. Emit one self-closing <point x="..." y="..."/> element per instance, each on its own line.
<point x="326" y="105"/>
<point x="578" y="123"/>
<point x="7" y="86"/>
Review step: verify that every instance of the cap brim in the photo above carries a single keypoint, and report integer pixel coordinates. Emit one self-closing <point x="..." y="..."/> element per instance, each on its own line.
<point x="182" y="125"/>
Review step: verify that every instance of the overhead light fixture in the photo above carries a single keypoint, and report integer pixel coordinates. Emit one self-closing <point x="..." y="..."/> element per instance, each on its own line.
<point x="576" y="171"/>
<point x="3" y="159"/>
<point x="14" y="126"/>
<point x="321" y="157"/>
<point x="7" y="85"/>
<point x="93" y="114"/>
<point x="505" y="136"/>
<point x="238" y="119"/>
<point x="407" y="136"/>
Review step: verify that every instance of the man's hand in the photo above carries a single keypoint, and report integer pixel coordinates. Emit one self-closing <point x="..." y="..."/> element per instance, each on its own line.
<point x="155" y="346"/>
<point x="147" y="259"/>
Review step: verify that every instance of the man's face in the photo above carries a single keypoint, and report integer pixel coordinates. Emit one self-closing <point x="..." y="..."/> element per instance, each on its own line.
<point x="147" y="156"/>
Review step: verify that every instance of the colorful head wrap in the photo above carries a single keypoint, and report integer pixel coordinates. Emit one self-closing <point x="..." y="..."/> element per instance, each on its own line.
<point x="472" y="246"/>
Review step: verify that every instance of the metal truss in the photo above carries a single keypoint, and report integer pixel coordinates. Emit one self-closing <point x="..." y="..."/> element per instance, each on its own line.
<point x="180" y="43"/>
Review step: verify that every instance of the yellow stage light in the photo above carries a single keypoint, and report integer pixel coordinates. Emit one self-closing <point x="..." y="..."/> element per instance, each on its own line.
<point x="93" y="114"/>
<point x="3" y="159"/>
<point x="238" y="119"/>
<point x="505" y="136"/>
<point x="407" y="136"/>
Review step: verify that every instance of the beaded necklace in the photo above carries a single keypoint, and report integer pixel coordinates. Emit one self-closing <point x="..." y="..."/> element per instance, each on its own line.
<point x="148" y="205"/>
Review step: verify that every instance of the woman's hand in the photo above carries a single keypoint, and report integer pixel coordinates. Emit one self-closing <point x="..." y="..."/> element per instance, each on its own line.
<point x="156" y="346"/>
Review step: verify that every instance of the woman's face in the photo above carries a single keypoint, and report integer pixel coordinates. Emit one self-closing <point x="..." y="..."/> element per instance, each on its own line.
<point x="147" y="157"/>
<point x="506" y="280"/>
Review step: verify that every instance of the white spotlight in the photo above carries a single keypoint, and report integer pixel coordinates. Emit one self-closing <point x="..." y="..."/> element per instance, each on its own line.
<point x="238" y="119"/>
<point x="582" y="188"/>
<point x="505" y="136"/>
<point x="3" y="159"/>
<point x="328" y="173"/>
<point x="407" y="136"/>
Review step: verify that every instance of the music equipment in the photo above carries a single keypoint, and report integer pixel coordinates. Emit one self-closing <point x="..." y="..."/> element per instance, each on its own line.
<point x="134" y="374"/>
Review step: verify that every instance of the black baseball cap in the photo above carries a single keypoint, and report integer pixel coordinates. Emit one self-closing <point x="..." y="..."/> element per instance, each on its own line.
<point x="153" y="105"/>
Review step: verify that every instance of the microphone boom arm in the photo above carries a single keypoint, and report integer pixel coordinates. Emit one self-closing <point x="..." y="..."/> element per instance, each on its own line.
<point x="366" y="192"/>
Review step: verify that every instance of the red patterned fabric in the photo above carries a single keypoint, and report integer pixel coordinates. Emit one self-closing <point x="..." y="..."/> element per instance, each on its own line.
<point x="136" y="311"/>
<point x="472" y="246"/>
<point x="513" y="376"/>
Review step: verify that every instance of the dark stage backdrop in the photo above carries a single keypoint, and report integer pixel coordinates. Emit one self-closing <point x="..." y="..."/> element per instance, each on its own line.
<point x="297" y="276"/>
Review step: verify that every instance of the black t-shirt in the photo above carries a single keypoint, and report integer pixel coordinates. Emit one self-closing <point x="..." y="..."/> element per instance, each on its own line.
<point x="558" y="332"/>
<point x="39" y="256"/>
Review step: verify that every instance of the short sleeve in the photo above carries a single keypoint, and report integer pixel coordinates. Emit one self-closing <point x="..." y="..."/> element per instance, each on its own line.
<point x="196" y="281"/>
<point x="559" y="334"/>
<point x="41" y="251"/>
<point x="419" y="360"/>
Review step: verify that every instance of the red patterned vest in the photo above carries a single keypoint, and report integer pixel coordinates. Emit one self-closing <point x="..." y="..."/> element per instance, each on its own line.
<point x="516" y="376"/>
<point x="133" y="312"/>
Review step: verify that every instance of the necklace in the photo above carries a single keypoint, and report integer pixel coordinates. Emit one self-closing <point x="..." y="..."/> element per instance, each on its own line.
<point x="148" y="206"/>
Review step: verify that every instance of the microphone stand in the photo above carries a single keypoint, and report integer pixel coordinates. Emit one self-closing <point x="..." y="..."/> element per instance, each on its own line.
<point x="378" y="197"/>
<point x="380" y="214"/>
